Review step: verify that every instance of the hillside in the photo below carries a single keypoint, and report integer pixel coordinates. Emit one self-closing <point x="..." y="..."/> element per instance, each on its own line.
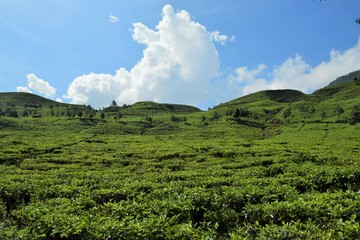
<point x="22" y="98"/>
<point x="346" y="78"/>
<point x="28" y="104"/>
<point x="275" y="164"/>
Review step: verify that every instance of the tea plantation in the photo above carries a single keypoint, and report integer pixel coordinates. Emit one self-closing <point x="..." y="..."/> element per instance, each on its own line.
<point x="263" y="166"/>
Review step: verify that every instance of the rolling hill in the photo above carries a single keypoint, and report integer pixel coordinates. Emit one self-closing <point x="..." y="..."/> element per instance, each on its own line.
<point x="332" y="103"/>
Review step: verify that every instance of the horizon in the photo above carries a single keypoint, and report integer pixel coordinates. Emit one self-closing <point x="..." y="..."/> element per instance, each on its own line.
<point x="174" y="52"/>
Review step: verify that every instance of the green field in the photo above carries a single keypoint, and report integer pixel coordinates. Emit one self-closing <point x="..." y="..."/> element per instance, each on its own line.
<point x="271" y="165"/>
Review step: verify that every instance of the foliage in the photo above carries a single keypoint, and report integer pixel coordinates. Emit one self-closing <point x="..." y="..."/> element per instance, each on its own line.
<point x="355" y="115"/>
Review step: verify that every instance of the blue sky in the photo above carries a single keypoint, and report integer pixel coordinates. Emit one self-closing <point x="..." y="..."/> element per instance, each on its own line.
<point x="193" y="52"/>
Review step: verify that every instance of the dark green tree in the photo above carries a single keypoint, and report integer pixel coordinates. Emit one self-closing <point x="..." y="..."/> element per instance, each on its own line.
<point x="323" y="115"/>
<point x="338" y="111"/>
<point x="11" y="113"/>
<point x="236" y="113"/>
<point x="287" y="113"/>
<point x="312" y="109"/>
<point x="113" y="104"/>
<point x="216" y="115"/>
<point x="25" y="113"/>
<point x="174" y="118"/>
<point x="118" y="116"/>
<point x="355" y="115"/>
<point x="148" y="118"/>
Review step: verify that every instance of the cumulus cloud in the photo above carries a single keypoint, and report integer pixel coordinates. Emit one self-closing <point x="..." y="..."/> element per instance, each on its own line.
<point x="178" y="63"/>
<point x="113" y="19"/>
<point x="23" y="89"/>
<point x="295" y="73"/>
<point x="221" y="38"/>
<point x="38" y="85"/>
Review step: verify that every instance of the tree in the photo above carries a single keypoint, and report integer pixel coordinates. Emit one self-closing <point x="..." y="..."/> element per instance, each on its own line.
<point x="11" y="113"/>
<point x="102" y="115"/>
<point x="113" y="104"/>
<point x="216" y="115"/>
<point x="80" y="114"/>
<point x="148" y="119"/>
<point x="25" y="113"/>
<point x="339" y="111"/>
<point x="236" y="113"/>
<point x="323" y="115"/>
<point x="355" y="115"/>
<point x="174" y="118"/>
<point x="118" y="116"/>
<point x="312" y="109"/>
<point x="287" y="113"/>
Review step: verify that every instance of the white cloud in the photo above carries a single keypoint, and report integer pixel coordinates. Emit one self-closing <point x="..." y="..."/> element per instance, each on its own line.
<point x="178" y="63"/>
<point x="113" y="19"/>
<point x="38" y="85"/>
<point x="220" y="38"/>
<point x="23" y="89"/>
<point x="59" y="100"/>
<point x="295" y="73"/>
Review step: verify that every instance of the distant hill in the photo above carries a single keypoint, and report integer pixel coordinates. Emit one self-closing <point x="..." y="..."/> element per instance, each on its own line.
<point x="28" y="104"/>
<point x="22" y="98"/>
<point x="346" y="78"/>
<point x="29" y="99"/>
<point x="148" y="108"/>
<point x="332" y="103"/>
<point x="165" y="107"/>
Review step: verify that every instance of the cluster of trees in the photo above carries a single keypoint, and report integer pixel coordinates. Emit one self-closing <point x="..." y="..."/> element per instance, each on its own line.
<point x="37" y="110"/>
<point x="239" y="112"/>
<point x="178" y="119"/>
<point x="9" y="112"/>
<point x="355" y="115"/>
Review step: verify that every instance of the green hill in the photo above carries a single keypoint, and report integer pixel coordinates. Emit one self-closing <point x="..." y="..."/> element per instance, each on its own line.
<point x="22" y="98"/>
<point x="346" y="78"/>
<point x="152" y="108"/>
<point x="332" y="103"/>
<point x="28" y="104"/>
